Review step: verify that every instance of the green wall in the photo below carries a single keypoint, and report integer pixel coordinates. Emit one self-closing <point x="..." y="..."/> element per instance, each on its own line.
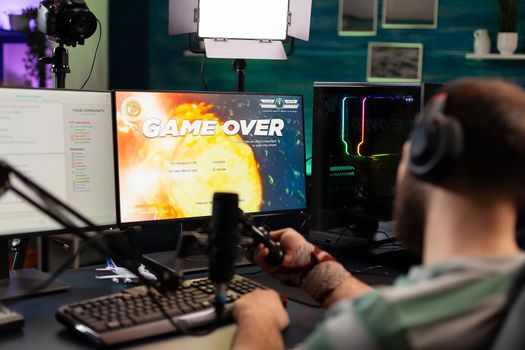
<point x="329" y="57"/>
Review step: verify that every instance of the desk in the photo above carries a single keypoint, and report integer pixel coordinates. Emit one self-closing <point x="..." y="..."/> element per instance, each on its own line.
<point x="41" y="331"/>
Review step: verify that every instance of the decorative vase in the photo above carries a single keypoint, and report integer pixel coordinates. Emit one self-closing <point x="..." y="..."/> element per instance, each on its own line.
<point x="507" y="43"/>
<point x="18" y="23"/>
<point x="481" y="42"/>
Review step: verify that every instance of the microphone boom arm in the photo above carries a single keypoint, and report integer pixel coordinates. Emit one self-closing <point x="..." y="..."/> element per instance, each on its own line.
<point x="59" y="211"/>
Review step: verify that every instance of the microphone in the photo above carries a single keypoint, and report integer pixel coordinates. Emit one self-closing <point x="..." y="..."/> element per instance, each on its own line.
<point x="222" y="244"/>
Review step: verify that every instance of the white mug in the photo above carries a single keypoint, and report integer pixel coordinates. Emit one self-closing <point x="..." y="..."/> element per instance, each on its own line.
<point x="481" y="42"/>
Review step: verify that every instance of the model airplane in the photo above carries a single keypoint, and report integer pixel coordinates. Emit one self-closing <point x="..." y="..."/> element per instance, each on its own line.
<point x="122" y="274"/>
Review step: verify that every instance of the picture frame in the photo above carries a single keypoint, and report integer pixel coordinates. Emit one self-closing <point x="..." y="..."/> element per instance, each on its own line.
<point x="395" y="62"/>
<point x="357" y="17"/>
<point x="405" y="14"/>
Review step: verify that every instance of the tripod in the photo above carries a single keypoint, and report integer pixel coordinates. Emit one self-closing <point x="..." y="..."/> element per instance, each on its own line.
<point x="59" y="62"/>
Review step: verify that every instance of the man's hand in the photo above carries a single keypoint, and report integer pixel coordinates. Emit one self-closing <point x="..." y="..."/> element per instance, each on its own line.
<point x="297" y="254"/>
<point x="261" y="317"/>
<point x="264" y="305"/>
<point x="316" y="271"/>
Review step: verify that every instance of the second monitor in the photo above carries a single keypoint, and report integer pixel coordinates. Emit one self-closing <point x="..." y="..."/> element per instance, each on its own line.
<point x="175" y="149"/>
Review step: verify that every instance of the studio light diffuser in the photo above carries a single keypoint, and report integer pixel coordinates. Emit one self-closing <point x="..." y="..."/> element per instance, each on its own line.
<point x="243" y="19"/>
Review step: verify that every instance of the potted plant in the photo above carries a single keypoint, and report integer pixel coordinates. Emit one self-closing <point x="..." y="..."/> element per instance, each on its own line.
<point x="18" y="21"/>
<point x="37" y="46"/>
<point x="508" y="23"/>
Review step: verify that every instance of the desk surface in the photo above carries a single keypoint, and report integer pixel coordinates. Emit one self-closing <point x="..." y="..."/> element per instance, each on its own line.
<point x="42" y="331"/>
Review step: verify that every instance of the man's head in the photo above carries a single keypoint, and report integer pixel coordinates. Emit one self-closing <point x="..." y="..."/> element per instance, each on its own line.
<point x="491" y="165"/>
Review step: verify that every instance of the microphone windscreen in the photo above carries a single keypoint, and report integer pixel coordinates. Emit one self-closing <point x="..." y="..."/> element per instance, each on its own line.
<point x="225" y="211"/>
<point x="223" y="238"/>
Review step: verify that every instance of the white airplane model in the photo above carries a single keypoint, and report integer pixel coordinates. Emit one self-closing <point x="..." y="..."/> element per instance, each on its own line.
<point x="123" y="274"/>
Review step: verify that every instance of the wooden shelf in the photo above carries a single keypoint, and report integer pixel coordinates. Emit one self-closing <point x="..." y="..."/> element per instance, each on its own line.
<point x="494" y="56"/>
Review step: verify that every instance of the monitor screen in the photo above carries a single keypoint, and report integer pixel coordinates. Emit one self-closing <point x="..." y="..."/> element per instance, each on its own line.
<point x="359" y="131"/>
<point x="174" y="150"/>
<point x="63" y="141"/>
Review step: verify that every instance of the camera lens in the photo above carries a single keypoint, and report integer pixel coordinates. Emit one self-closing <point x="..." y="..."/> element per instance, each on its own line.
<point x="79" y="24"/>
<point x="83" y="25"/>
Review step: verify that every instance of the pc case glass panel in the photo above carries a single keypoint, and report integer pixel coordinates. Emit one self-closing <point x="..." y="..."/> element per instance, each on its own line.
<point x="358" y="138"/>
<point x="176" y="149"/>
<point x="63" y="141"/>
<point x="243" y="19"/>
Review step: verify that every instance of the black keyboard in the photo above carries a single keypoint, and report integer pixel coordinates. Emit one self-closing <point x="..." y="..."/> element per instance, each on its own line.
<point x="131" y="314"/>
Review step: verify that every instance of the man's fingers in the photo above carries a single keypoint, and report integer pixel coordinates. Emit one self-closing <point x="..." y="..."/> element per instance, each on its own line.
<point x="260" y="254"/>
<point x="277" y="234"/>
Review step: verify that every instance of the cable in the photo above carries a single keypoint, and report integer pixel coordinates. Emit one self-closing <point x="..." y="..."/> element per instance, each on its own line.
<point x="203" y="78"/>
<point x="95" y="55"/>
<point x="365" y="271"/>
<point x="340" y="234"/>
<point x="175" y="323"/>
<point x="387" y="236"/>
<point x="307" y="218"/>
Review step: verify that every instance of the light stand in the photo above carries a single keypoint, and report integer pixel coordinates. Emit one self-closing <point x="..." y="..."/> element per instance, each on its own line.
<point x="239" y="65"/>
<point x="24" y="282"/>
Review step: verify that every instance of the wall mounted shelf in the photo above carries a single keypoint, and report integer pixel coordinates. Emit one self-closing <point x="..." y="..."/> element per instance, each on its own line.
<point x="494" y="56"/>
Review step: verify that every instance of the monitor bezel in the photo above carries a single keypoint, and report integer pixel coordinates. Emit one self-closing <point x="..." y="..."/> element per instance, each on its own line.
<point x="125" y="225"/>
<point x="64" y="230"/>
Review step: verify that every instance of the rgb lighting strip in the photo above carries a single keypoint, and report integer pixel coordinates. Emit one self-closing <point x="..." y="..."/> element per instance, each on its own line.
<point x="344" y="116"/>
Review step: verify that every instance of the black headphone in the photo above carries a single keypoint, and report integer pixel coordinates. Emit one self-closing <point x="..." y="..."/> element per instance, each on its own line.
<point x="436" y="143"/>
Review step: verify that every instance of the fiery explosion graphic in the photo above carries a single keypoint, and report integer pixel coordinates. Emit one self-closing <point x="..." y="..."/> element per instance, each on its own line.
<point x="175" y="177"/>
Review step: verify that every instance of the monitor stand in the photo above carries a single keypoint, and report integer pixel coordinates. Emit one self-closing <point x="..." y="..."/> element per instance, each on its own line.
<point x="24" y="282"/>
<point x="190" y="254"/>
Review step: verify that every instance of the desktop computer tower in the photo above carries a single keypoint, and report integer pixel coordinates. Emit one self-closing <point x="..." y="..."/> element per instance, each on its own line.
<point x="359" y="131"/>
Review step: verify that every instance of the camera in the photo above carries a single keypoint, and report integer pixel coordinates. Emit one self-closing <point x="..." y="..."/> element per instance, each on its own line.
<point x="67" y="22"/>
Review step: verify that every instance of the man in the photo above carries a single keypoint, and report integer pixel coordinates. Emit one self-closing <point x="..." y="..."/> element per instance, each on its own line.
<point x="461" y="220"/>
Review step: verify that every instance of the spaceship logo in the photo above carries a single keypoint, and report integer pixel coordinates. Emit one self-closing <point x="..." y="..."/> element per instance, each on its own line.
<point x="132" y="109"/>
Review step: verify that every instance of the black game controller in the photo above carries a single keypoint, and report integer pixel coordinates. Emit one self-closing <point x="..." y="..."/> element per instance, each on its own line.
<point x="260" y="235"/>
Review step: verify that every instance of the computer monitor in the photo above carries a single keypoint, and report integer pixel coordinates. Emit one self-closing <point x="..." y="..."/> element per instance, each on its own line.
<point x="63" y="141"/>
<point x="175" y="149"/>
<point x="359" y="131"/>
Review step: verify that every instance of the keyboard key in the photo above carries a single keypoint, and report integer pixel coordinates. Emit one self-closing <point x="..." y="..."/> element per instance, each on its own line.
<point x="113" y="324"/>
<point x="147" y="318"/>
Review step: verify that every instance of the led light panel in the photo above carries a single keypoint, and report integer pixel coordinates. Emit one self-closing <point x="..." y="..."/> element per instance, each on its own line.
<point x="243" y="19"/>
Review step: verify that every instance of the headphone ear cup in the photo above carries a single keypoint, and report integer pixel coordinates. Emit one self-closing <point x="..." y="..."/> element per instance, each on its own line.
<point x="435" y="146"/>
<point x="423" y="141"/>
